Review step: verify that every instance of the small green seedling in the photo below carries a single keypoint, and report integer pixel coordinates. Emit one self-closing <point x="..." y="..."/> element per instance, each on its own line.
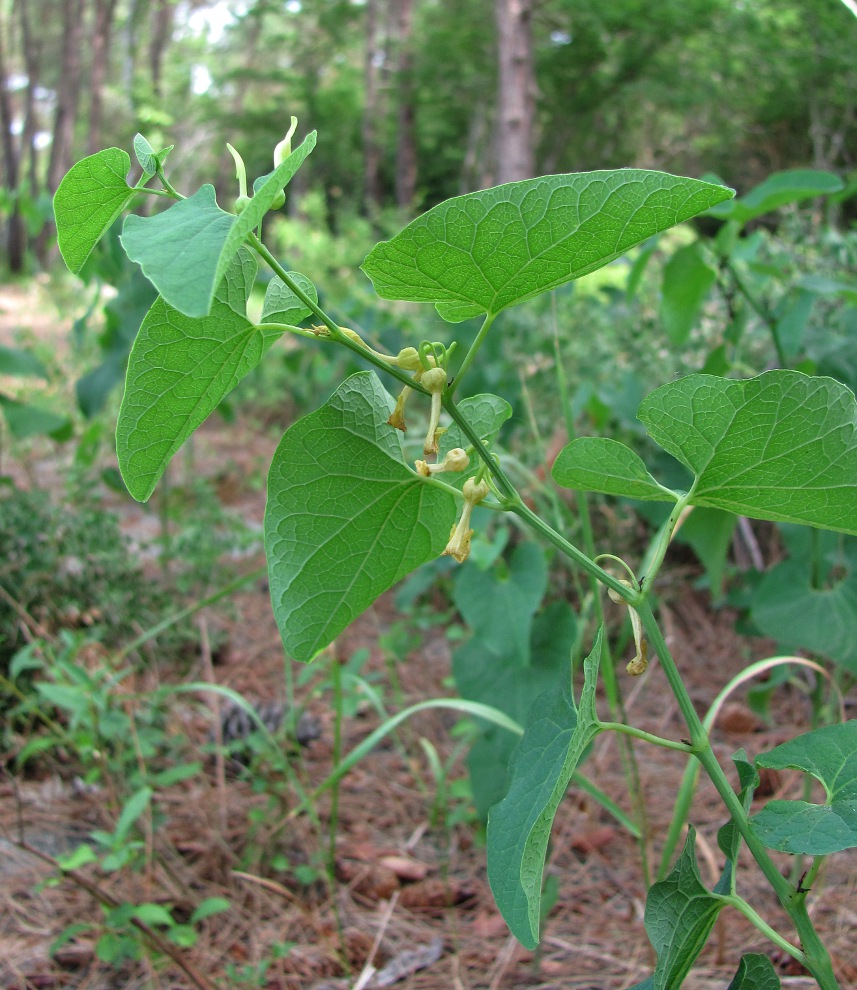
<point x="348" y="515"/>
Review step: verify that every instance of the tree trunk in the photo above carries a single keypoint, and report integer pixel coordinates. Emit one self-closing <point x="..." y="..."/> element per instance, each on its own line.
<point x="104" y="11"/>
<point x="371" y="149"/>
<point x="16" y="234"/>
<point x="406" y="145"/>
<point x="516" y="92"/>
<point x="68" y="92"/>
<point x="32" y="51"/>
<point x="161" y="33"/>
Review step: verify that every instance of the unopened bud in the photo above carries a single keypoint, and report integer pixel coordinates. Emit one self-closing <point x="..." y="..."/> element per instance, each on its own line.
<point x="284" y="148"/>
<point x="454" y="460"/>
<point x="408" y="359"/>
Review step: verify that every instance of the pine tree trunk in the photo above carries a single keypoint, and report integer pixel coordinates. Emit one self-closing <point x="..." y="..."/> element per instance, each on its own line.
<point x="406" y="149"/>
<point x="104" y="11"/>
<point x="516" y="95"/>
<point x="68" y="92"/>
<point x="16" y="234"/>
<point x="371" y="148"/>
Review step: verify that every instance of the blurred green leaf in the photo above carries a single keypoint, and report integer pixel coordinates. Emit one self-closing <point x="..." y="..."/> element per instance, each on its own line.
<point x="686" y="284"/>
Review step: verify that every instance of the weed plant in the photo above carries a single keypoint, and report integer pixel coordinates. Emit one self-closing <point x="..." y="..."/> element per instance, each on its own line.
<point x="351" y="511"/>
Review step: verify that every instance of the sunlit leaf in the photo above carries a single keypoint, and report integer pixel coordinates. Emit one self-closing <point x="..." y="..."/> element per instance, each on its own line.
<point x="488" y="250"/>
<point x="179" y="370"/>
<point x="90" y="197"/>
<point x="186" y="250"/>
<point x="603" y="465"/>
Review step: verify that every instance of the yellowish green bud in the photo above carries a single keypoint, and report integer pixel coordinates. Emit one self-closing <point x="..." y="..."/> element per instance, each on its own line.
<point x="284" y="148"/>
<point x="408" y="359"/>
<point x="454" y="460"/>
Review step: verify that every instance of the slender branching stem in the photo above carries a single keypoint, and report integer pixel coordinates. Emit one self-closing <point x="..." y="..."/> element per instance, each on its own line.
<point x="472" y="352"/>
<point x="817" y="958"/>
<point x="332" y="326"/>
<point x="752" y="915"/>
<point x="630" y="730"/>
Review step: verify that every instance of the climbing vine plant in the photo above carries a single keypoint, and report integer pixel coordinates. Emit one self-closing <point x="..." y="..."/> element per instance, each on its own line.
<point x="348" y="515"/>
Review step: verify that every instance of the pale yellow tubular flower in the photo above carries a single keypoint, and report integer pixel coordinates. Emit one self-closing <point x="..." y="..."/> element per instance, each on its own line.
<point x="434" y="381"/>
<point x="458" y="546"/>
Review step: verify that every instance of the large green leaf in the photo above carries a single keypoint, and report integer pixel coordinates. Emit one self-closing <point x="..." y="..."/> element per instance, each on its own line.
<point x="179" y="370"/>
<point x="90" y="197"/>
<point x="556" y="735"/>
<point x="186" y="250"/>
<point x="680" y="913"/>
<point x="830" y="755"/>
<point x="488" y="250"/>
<point x="345" y="518"/>
<point x="687" y="281"/>
<point x="603" y="465"/>
<point x="782" y="446"/>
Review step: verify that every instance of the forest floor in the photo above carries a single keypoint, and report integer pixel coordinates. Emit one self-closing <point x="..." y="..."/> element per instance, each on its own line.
<point x="410" y="890"/>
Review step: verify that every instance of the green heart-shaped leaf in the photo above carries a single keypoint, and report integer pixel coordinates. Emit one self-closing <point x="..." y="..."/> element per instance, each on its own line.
<point x="782" y="446"/>
<point x="488" y="250"/>
<point x="830" y="755"/>
<point x="186" y="250"/>
<point x="828" y="614"/>
<point x="179" y="370"/>
<point x="90" y="197"/>
<point x="755" y="972"/>
<point x="345" y="518"/>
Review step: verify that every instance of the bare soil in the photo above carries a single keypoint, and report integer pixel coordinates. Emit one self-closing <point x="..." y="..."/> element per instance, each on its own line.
<point x="409" y="890"/>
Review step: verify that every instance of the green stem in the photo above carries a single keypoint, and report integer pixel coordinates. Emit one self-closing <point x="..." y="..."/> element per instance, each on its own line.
<point x="752" y="915"/>
<point x="630" y="767"/>
<point x="288" y="328"/>
<point x="655" y="557"/>
<point x="474" y="348"/>
<point x="817" y="958"/>
<point x="761" y="311"/>
<point x="630" y="730"/>
<point x="514" y="503"/>
<point x="333" y="327"/>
